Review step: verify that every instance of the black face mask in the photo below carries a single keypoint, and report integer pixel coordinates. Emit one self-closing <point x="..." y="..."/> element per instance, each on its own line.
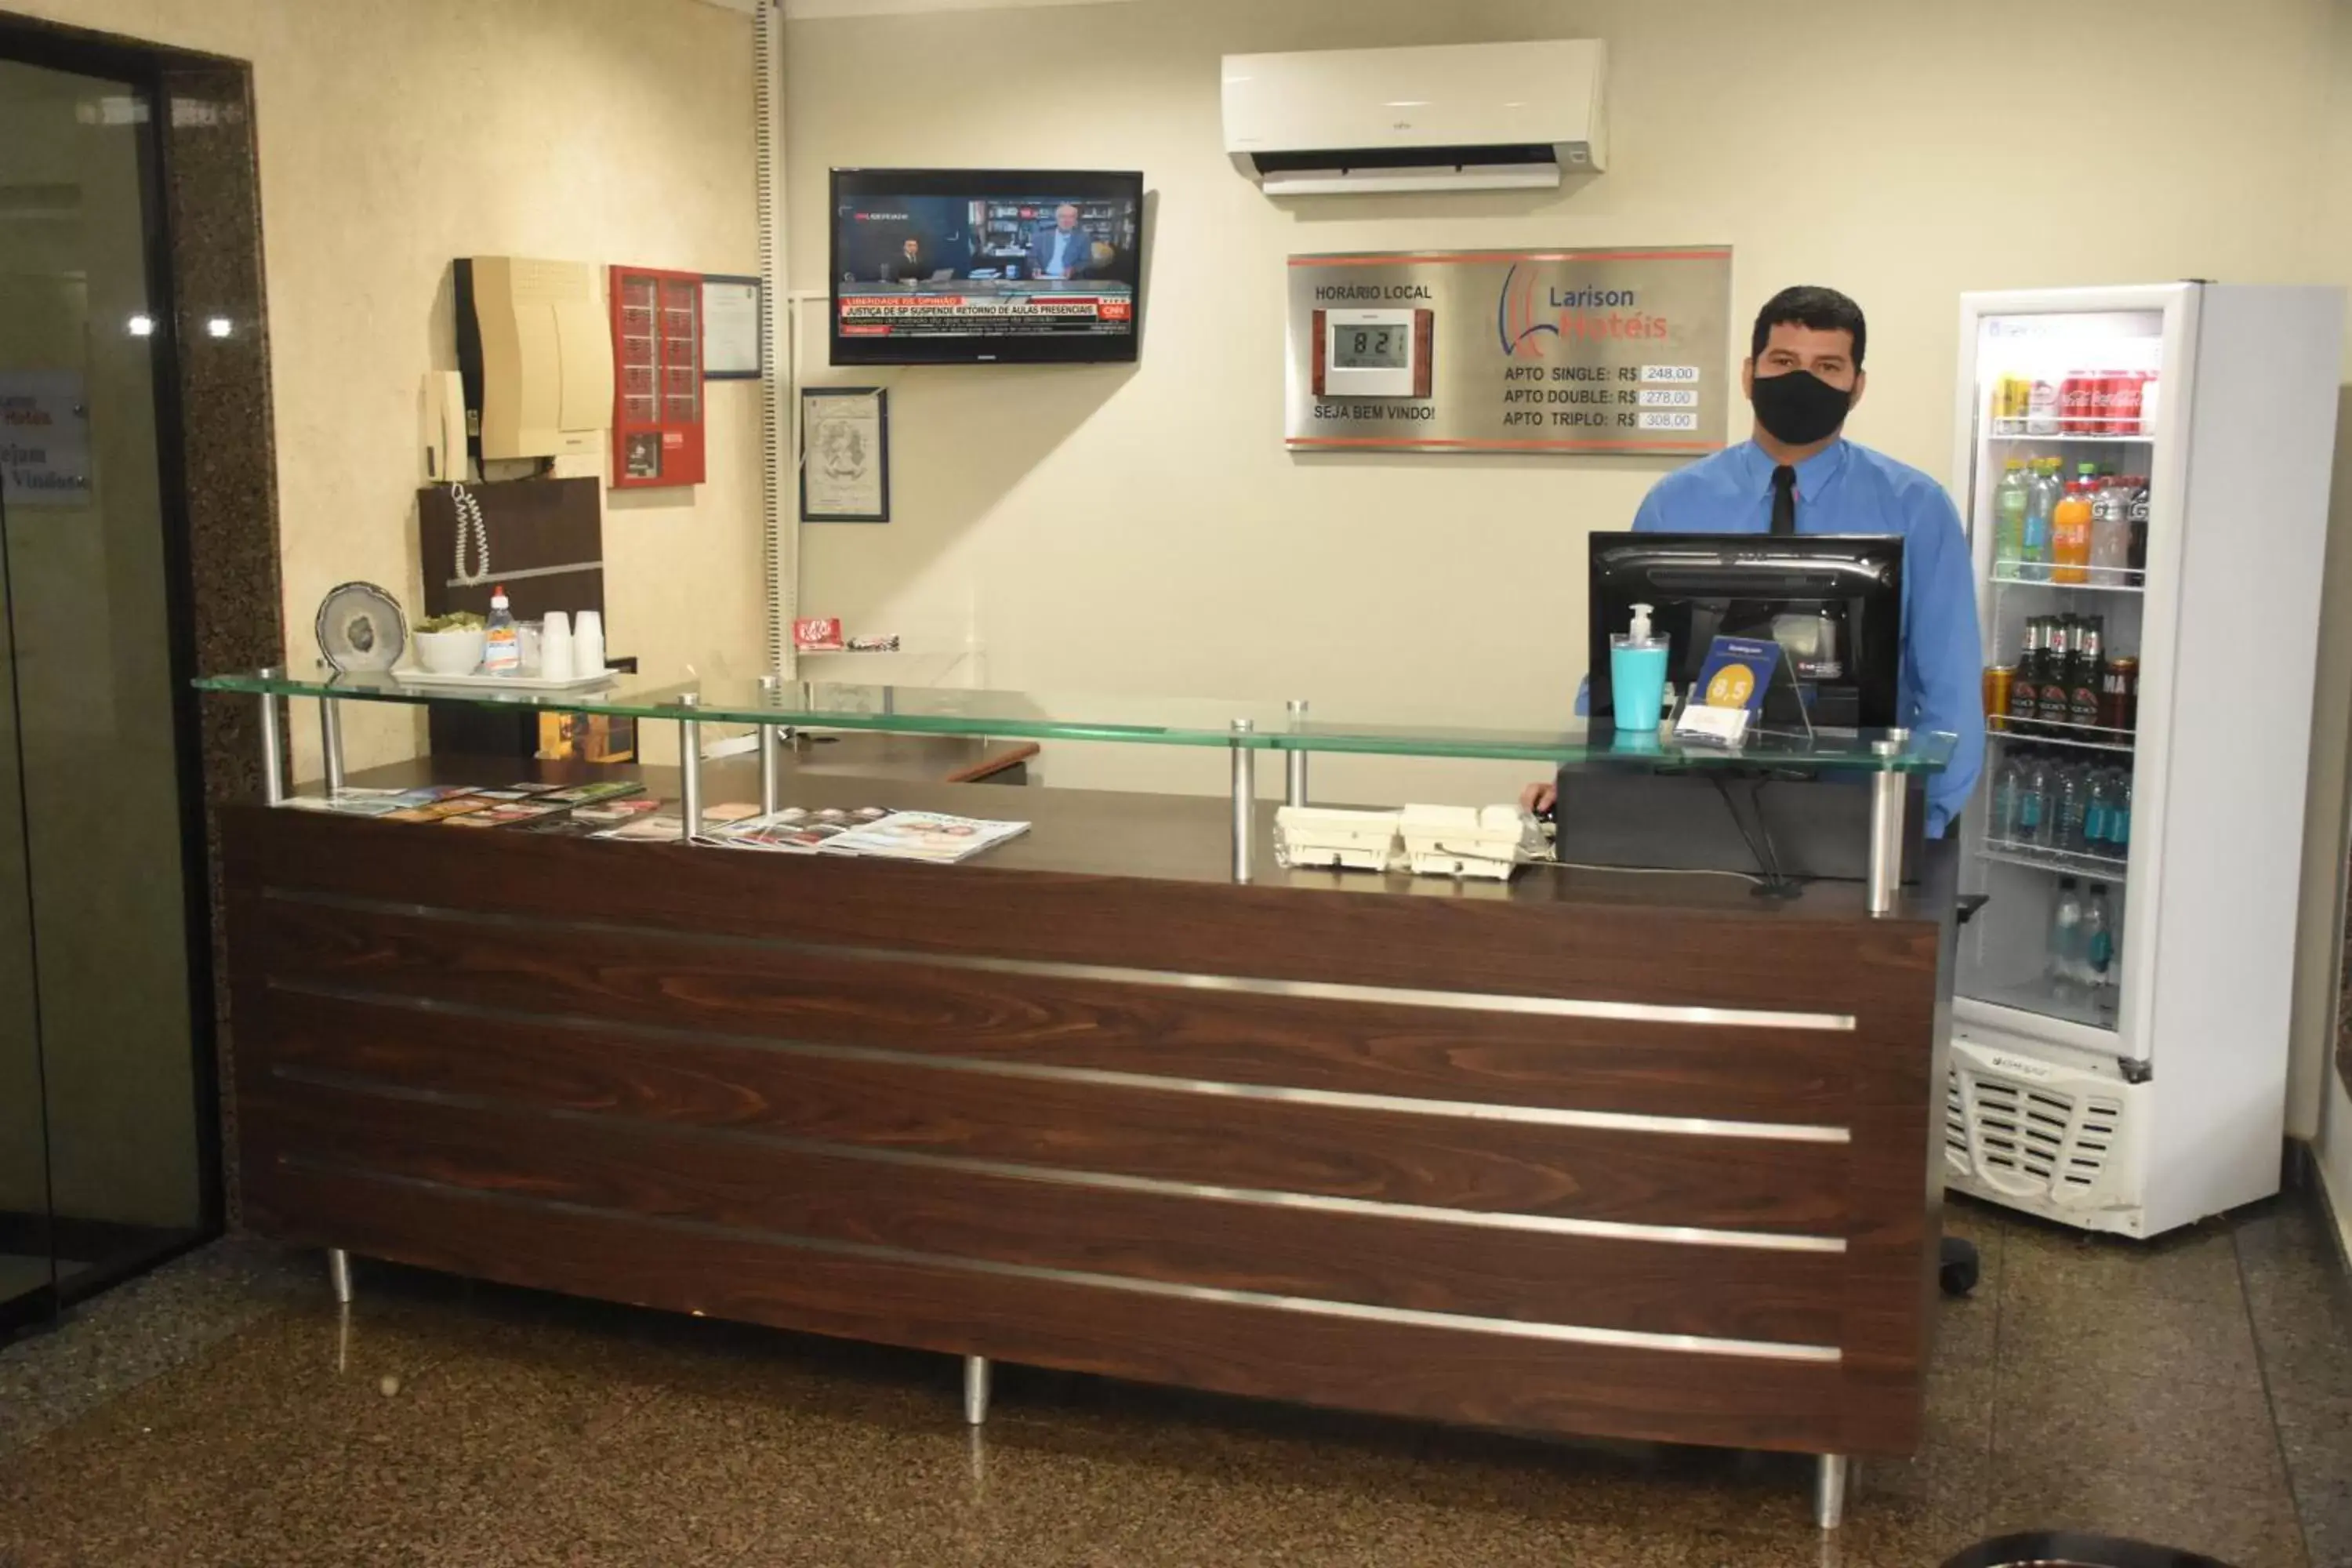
<point x="1798" y="407"/>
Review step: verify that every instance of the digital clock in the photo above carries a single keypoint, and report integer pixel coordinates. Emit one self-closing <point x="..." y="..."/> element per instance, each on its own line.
<point x="1372" y="354"/>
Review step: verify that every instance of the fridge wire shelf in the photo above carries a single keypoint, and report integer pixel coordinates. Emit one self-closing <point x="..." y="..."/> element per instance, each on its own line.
<point x="2040" y="857"/>
<point x="2010" y="574"/>
<point x="2079" y="739"/>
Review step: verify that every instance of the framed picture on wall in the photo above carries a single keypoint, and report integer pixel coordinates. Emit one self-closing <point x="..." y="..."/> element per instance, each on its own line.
<point x="845" y="454"/>
<point x="733" y="346"/>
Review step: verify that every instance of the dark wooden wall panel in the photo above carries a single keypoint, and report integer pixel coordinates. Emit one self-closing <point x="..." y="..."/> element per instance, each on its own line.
<point x="1530" y="946"/>
<point x="1394" y="1157"/>
<point x="667" y="1076"/>
<point x="650" y="976"/>
<point x="751" y="1184"/>
<point x="1399" y="1369"/>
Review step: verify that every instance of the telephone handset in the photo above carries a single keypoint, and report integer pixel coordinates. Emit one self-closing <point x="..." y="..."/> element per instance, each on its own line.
<point x="444" y="427"/>
<point x="445" y="464"/>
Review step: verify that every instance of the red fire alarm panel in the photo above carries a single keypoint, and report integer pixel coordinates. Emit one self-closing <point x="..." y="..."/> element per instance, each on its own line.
<point x="657" y="377"/>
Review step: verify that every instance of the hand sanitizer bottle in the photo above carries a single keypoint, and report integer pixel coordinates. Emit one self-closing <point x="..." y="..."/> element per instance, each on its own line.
<point x="502" y="641"/>
<point x="1637" y="674"/>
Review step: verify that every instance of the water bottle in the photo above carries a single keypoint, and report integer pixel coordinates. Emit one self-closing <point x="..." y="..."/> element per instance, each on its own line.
<point x="2097" y="808"/>
<point x="2065" y="932"/>
<point x="2008" y="806"/>
<point x="2010" y="499"/>
<point x="2041" y="493"/>
<point x="2072" y="787"/>
<point x="2119" y="817"/>
<point x="2033" y="801"/>
<point x="2098" y="940"/>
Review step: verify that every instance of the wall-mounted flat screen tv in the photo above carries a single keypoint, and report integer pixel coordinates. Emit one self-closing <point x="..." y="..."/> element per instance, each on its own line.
<point x="986" y="265"/>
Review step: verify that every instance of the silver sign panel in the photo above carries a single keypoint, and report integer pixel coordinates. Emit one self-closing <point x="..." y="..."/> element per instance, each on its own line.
<point x="1592" y="351"/>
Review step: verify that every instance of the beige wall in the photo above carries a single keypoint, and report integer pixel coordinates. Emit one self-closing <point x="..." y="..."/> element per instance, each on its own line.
<point x="397" y="135"/>
<point x="1141" y="530"/>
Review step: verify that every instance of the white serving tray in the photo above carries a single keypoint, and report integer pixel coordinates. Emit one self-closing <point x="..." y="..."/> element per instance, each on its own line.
<point x="412" y="676"/>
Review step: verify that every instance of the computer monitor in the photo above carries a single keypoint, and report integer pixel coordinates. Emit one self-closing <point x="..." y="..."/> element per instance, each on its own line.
<point x="1834" y="602"/>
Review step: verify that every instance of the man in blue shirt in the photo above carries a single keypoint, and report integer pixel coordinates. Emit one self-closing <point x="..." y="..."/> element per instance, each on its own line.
<point x="1796" y="473"/>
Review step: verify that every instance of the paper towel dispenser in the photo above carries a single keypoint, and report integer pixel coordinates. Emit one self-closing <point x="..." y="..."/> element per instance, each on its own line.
<point x="536" y="353"/>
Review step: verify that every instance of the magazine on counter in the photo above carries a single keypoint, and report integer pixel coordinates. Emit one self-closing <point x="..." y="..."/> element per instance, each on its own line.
<point x="355" y="801"/>
<point x="595" y="794"/>
<point x="587" y="821"/>
<point x="654" y="828"/>
<point x="797" y="830"/>
<point x="926" y="836"/>
<point x="500" y="812"/>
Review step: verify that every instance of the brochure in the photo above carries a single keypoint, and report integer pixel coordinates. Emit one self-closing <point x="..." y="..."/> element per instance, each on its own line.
<point x="590" y="794"/>
<point x="586" y="821"/>
<point x="796" y="830"/>
<point x="500" y="813"/>
<point x="655" y="827"/>
<point x="926" y="836"/>
<point x="441" y="810"/>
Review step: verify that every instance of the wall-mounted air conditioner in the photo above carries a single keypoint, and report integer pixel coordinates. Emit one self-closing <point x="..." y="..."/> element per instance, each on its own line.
<point x="1457" y="116"/>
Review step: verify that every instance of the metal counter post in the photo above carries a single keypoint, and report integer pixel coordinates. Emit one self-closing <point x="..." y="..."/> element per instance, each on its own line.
<point x="770" y="785"/>
<point x="273" y="745"/>
<point x="689" y="771"/>
<point x="330" y="733"/>
<point x="1887" y="787"/>
<point x="1294" y="765"/>
<point x="1244" y="800"/>
<point x="1829" y="1476"/>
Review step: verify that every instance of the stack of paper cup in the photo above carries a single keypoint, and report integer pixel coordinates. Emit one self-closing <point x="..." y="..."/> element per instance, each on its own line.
<point x="555" y="646"/>
<point x="588" y="645"/>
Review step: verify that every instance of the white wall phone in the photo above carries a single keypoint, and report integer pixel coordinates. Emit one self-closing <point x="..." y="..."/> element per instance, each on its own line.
<point x="445" y="464"/>
<point x="444" y="427"/>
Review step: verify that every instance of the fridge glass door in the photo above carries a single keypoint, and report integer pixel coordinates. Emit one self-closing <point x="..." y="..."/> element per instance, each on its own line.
<point x="2066" y="411"/>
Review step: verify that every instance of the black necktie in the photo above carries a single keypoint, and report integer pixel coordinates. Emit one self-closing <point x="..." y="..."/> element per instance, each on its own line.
<point x="1784" y="500"/>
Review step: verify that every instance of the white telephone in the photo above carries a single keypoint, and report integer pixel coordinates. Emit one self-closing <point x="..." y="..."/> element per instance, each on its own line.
<point x="444" y="428"/>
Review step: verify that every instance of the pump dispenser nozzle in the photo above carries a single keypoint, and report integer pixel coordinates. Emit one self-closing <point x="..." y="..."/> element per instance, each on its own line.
<point x="1639" y="631"/>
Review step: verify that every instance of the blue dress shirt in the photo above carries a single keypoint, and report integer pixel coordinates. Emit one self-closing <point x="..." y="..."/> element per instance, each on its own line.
<point x="1849" y="489"/>
<point x="1063" y="240"/>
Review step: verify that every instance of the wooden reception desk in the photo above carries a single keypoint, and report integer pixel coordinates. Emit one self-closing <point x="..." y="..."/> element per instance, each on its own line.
<point x="1630" y="1156"/>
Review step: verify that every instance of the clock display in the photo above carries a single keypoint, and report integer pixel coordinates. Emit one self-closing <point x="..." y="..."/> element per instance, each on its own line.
<point x="1370" y="348"/>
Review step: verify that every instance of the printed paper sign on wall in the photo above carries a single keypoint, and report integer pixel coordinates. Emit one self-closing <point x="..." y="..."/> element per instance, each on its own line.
<point x="44" y="440"/>
<point x="1594" y="351"/>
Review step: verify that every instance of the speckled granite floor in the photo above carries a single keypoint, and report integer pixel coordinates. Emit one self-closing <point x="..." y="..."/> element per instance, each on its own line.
<point x="2199" y="1392"/>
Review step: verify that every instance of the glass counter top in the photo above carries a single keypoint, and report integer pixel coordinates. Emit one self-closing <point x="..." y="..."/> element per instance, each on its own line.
<point x="1143" y="720"/>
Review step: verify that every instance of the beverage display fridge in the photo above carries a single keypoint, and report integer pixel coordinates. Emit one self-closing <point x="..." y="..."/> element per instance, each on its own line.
<point x="2143" y="472"/>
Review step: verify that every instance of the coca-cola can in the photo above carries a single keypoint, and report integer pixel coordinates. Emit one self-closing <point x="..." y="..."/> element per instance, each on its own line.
<point x="2078" y="398"/>
<point x="2124" y="405"/>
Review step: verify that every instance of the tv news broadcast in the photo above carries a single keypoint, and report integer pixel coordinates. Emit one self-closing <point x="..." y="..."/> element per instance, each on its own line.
<point x="934" y="266"/>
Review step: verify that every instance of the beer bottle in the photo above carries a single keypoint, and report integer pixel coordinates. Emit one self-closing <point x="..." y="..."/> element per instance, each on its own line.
<point x="2025" y="686"/>
<point x="2083" y="682"/>
<point x="2053" y="697"/>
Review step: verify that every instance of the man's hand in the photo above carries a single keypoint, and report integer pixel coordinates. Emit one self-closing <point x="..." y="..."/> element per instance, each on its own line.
<point x="1537" y="798"/>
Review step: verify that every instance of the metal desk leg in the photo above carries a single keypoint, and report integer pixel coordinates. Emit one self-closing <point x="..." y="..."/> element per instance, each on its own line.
<point x="1886" y="800"/>
<point x="1245" y="801"/>
<point x="1295" y="782"/>
<point x="1829" y="1490"/>
<point x="331" y="743"/>
<point x="975" y="1390"/>
<point x="771" y="780"/>
<point x="339" y="1274"/>
<point x="273" y="748"/>
<point x="689" y="771"/>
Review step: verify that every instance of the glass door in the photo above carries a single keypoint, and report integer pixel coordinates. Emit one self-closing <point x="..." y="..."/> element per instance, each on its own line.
<point x="2067" y="410"/>
<point x="102" y="1091"/>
